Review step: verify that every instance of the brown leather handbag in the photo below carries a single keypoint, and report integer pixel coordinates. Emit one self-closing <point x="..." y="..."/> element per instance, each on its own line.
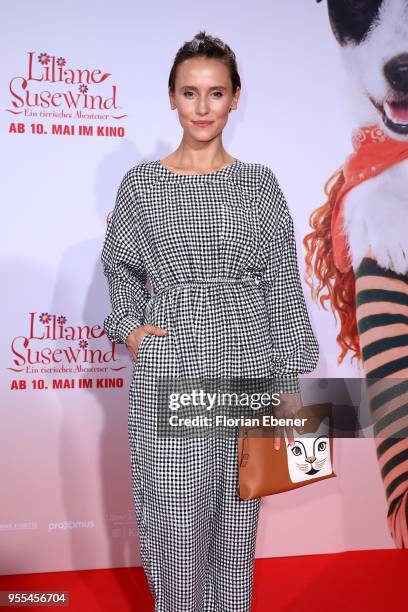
<point x="262" y="470"/>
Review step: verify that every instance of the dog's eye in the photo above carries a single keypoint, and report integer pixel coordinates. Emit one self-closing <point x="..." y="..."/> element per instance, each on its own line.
<point x="358" y="5"/>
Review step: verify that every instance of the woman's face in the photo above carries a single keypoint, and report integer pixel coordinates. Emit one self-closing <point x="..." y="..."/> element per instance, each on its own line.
<point x="203" y="93"/>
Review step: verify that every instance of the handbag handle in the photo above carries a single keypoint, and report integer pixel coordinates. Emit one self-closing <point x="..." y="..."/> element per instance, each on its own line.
<point x="244" y="450"/>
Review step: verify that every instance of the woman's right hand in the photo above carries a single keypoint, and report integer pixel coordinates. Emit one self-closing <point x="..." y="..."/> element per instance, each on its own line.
<point x="136" y="336"/>
<point x="288" y="408"/>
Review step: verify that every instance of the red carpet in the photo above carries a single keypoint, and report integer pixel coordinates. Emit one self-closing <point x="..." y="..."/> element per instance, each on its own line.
<point x="369" y="580"/>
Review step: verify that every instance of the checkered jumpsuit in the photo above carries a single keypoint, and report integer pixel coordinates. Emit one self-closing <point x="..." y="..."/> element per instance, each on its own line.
<point x="219" y="252"/>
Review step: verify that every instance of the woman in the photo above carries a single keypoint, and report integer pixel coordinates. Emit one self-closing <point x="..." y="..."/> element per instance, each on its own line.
<point x="215" y="237"/>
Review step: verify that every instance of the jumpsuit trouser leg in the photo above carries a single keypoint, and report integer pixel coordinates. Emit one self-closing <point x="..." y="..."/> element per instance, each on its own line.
<point x="234" y="525"/>
<point x="197" y="537"/>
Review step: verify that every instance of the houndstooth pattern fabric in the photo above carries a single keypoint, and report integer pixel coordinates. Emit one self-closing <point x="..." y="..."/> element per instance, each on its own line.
<point x="218" y="251"/>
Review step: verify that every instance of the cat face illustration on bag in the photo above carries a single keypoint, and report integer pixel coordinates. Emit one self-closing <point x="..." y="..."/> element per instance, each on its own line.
<point x="309" y="457"/>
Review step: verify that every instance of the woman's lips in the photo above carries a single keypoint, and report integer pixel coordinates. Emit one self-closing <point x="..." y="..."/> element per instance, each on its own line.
<point x="202" y="123"/>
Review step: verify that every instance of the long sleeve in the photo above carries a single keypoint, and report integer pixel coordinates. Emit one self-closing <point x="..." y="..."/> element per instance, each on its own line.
<point x="123" y="267"/>
<point x="295" y="348"/>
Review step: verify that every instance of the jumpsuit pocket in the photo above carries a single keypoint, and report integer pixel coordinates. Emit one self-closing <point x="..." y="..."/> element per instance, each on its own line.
<point x="236" y="221"/>
<point x="237" y="227"/>
<point x="142" y="346"/>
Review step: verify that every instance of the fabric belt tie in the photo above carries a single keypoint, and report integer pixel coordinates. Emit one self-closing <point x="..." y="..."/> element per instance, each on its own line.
<point x="208" y="281"/>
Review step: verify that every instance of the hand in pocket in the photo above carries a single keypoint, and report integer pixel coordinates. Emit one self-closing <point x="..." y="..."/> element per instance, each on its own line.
<point x="136" y="336"/>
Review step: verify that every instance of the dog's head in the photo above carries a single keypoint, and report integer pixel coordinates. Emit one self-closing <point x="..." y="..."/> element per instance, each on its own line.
<point x="373" y="35"/>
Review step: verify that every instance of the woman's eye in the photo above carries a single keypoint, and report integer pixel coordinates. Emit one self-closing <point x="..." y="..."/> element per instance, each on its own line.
<point x="218" y="94"/>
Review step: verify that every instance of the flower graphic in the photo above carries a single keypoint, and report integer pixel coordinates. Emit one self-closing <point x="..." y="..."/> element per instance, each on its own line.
<point x="61" y="61"/>
<point x="83" y="343"/>
<point x="61" y="320"/>
<point x="45" y="317"/>
<point x="44" y="58"/>
<point x="83" y="88"/>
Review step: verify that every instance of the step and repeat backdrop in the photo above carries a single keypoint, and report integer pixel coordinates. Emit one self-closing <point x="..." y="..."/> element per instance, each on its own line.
<point x="84" y="98"/>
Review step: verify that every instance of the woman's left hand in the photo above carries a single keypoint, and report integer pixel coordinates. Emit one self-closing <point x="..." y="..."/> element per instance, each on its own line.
<point x="290" y="404"/>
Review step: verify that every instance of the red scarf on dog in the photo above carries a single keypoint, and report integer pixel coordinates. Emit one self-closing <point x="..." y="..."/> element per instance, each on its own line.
<point x="373" y="152"/>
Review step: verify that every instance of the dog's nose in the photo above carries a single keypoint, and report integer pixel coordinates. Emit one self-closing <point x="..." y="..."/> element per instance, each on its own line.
<point x="396" y="72"/>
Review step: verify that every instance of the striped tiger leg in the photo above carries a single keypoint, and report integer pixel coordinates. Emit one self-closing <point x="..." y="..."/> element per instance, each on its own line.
<point x="382" y="319"/>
